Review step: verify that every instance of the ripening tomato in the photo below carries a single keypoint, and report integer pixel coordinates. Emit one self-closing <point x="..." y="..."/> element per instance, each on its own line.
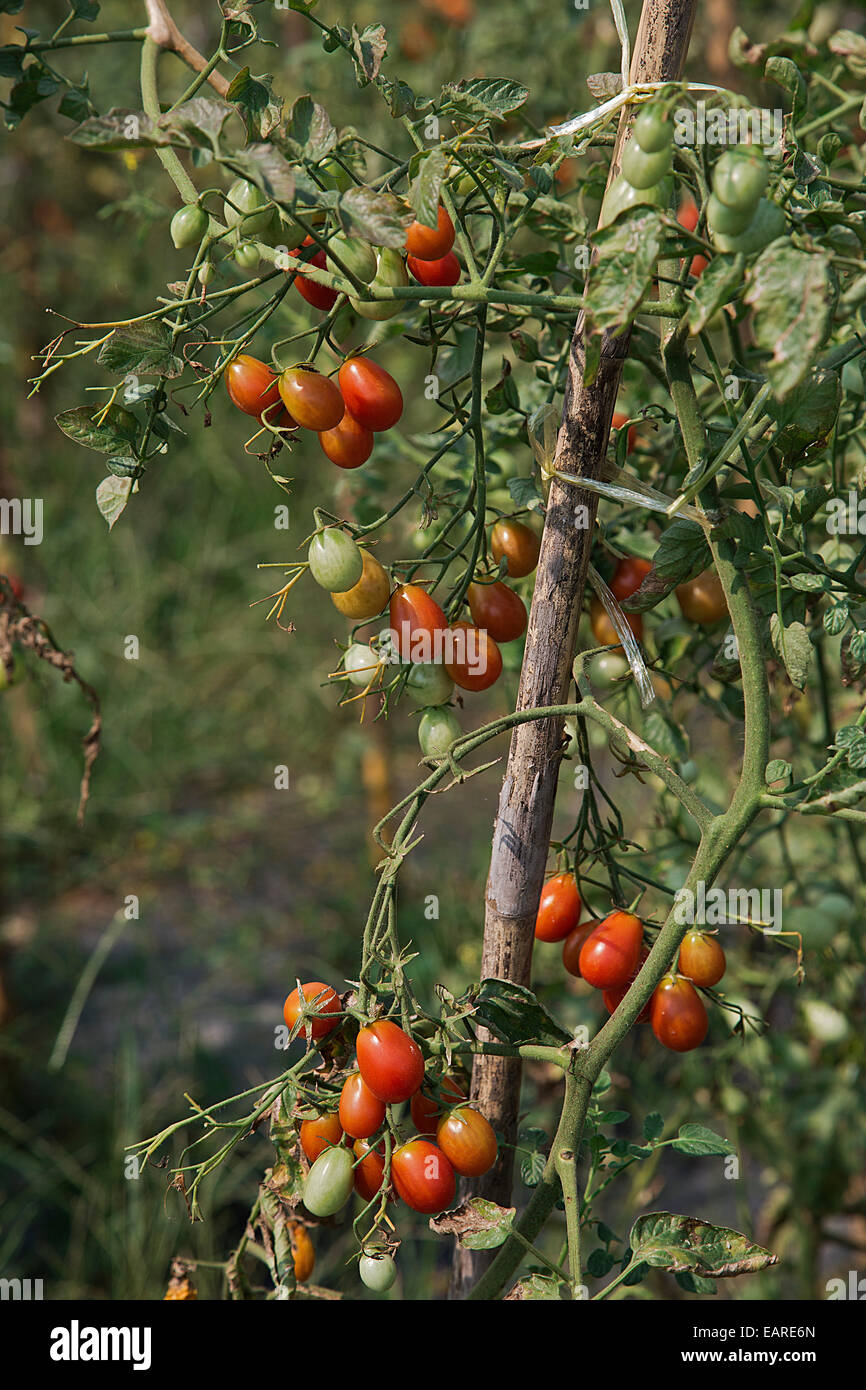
<point x="369" y="596"/>
<point x="614" y="997"/>
<point x="467" y="1141"/>
<point x="702" y="959"/>
<point x="498" y="609"/>
<point x="371" y="394"/>
<point x="518" y="543"/>
<point x="361" y="1113"/>
<point x="415" y="617"/>
<point x="443" y="272"/>
<point x="311" y="399"/>
<point x="323" y="1013"/>
<point x="559" y="908"/>
<point x="390" y="1062"/>
<point x="679" y="1019"/>
<point x="572" y="944"/>
<point x="423" y="1177"/>
<point x="303" y="1254"/>
<point x="610" y="954"/>
<point x="370" y="1172"/>
<point x="321" y="1133"/>
<point x="320" y="296"/>
<point x="628" y="577"/>
<point x="427" y="1112"/>
<point x="688" y="217"/>
<point x="702" y="600"/>
<point x="431" y="243"/>
<point x="476" y="661"/>
<point x="617" y="420"/>
<point x="253" y="387"/>
<point x="348" y="444"/>
<point x="603" y="629"/>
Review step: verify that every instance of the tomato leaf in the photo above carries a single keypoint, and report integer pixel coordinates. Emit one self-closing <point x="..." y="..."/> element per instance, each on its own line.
<point x="477" y="1224"/>
<point x="142" y="349"/>
<point x="682" y="554"/>
<point x="794" y="645"/>
<point x="368" y="49"/>
<point x="717" y="286"/>
<point x="514" y="1015"/>
<point x="701" y="1142"/>
<point x="111" y="431"/>
<point x="379" y="218"/>
<point x="653" y="1126"/>
<point x="536" y="1288"/>
<point x="259" y="108"/>
<point x="310" y="130"/>
<point x="482" y="98"/>
<point x="112" y="496"/>
<point x="628" y="252"/>
<point x="792" y="294"/>
<point x="807" y="414"/>
<point x="677" y="1243"/>
<point x="424" y="194"/>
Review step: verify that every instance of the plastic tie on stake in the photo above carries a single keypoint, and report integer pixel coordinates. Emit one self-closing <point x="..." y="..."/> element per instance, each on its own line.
<point x="542" y="427"/>
<point x="626" y="637"/>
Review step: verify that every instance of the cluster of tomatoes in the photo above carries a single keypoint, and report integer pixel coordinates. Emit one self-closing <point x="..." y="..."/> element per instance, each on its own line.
<point x="701" y="600"/>
<point x="345" y="1147"/>
<point x="609" y="954"/>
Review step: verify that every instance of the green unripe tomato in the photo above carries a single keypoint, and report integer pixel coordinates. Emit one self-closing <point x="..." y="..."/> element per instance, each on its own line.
<point x="644" y="170"/>
<point x="357" y="256"/>
<point x="333" y="175"/>
<point x="244" y="207"/>
<point x="607" y="668"/>
<point x="767" y="224"/>
<point x="335" y="561"/>
<point x="464" y="186"/>
<point x="247" y="255"/>
<point x="390" y="272"/>
<point x="728" y="221"/>
<point x="437" y="730"/>
<point x="206" y="272"/>
<point x="284" y="231"/>
<point x="329" y="1184"/>
<point x="652" y="130"/>
<point x="378" y="1272"/>
<point x="429" y="684"/>
<point x="188" y="226"/>
<point x="740" y="178"/>
<point x="361" y="664"/>
<point x="622" y="195"/>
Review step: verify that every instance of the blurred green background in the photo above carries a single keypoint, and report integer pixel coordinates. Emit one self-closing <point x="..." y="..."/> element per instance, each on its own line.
<point x="242" y="886"/>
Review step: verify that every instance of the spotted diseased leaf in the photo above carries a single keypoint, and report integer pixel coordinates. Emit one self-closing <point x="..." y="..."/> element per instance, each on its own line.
<point x="717" y="286"/>
<point x="477" y="1224"/>
<point x="196" y="124"/>
<point x="112" y="496"/>
<point x="851" y="48"/>
<point x="310" y="131"/>
<point x="701" y="1142"/>
<point x="807" y="415"/>
<point x="536" y="1288"/>
<point x="379" y="218"/>
<point x="682" y="554"/>
<point x="794" y="646"/>
<point x="426" y="187"/>
<point x="268" y="169"/>
<point x="369" y="47"/>
<point x="836" y="618"/>
<point x="683" y="1244"/>
<point x="111" y="431"/>
<point x="787" y="75"/>
<point x="514" y="1015"/>
<point x="628" y="252"/>
<point x="142" y="349"/>
<point x="482" y="98"/>
<point x="260" y="109"/>
<point x="792" y="293"/>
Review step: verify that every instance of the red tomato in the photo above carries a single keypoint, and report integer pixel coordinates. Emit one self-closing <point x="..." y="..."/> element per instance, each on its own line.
<point x="702" y="959"/>
<point x="476" y="660"/>
<point x="390" y="1062"/>
<point x="311" y="399"/>
<point x="603" y="629"/>
<point x="610" y="954"/>
<point x="361" y="1113"/>
<point x="326" y="1009"/>
<point x="320" y="296"/>
<point x="426" y="1112"/>
<point x="617" y="422"/>
<point x="559" y="908"/>
<point x="370" y="1171"/>
<point x="467" y="1141"/>
<point x="348" y="444"/>
<point x="319" y="1134"/>
<point x="614" y="997"/>
<point x="251" y="385"/>
<point x="444" y="272"/>
<point x="679" y="1019"/>
<point x="628" y="577"/>
<point x="371" y="394"/>
<point x="431" y="243"/>
<point x="518" y="543"/>
<point x="423" y="1177"/>
<point x="415" y="617"/>
<point x="688" y="217"/>
<point x="572" y="944"/>
<point x="498" y="609"/>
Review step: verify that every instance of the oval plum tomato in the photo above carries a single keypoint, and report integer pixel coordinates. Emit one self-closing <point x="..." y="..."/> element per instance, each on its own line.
<point x="390" y="1062"/>
<point x="652" y="130"/>
<point x="423" y="1177"/>
<point x="702" y="959"/>
<point x="725" y="220"/>
<point x="559" y="908"/>
<point x="610" y="954"/>
<point x="303" y="1254"/>
<point x="572" y="944"/>
<point x="703" y="600"/>
<point x="603" y="629"/>
<point x="617" y="420"/>
<point x="688" y="217"/>
<point x="328" y="1185"/>
<point x="348" y="444"/>
<point x="431" y="243"/>
<point x="415" y="617"/>
<point x="361" y="1113"/>
<point x="357" y="256"/>
<point x="427" y="1112"/>
<point x="768" y="223"/>
<point x="614" y="997"/>
<point x="251" y="385"/>
<point x="188" y="225"/>
<point x="498" y="609"/>
<point x="444" y="272"/>
<point x="740" y="178"/>
<point x="319" y="1134"/>
<point x="390" y="274"/>
<point x="370" y="1171"/>
<point x="518" y="544"/>
<point x="378" y="1272"/>
<point x="246" y="207"/>
<point x="320" y="296"/>
<point x="369" y="596"/>
<point x="371" y="394"/>
<point x="429" y="684"/>
<point x="335" y="561"/>
<point x="643" y="168"/>
<point x="322" y="1013"/>
<point x="628" y="577"/>
<point x="476" y="661"/>
<point x="362" y="666"/>
<point x="438" y="728"/>
<point x="467" y="1141"/>
<point x="679" y="1019"/>
<point x="311" y="399"/>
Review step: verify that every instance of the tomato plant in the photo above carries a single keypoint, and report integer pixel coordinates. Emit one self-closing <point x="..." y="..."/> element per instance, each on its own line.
<point x="702" y="959"/>
<point x="369" y="1170"/>
<point x="426" y="1110"/>
<point x="703" y="600"/>
<point x="378" y="1272"/>
<point x="311" y="399"/>
<point x="349" y="444"/>
<point x="414" y="616"/>
<point x="369" y="596"/>
<point x="328" y="1185"/>
<point x="431" y="243"/>
<point x="442" y="272"/>
<point x="320" y="1133"/>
